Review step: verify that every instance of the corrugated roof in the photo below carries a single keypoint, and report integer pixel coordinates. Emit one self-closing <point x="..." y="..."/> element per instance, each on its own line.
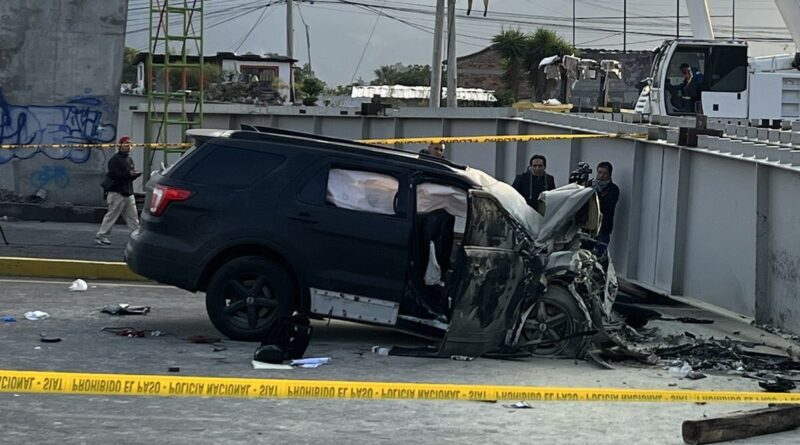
<point x="406" y="92"/>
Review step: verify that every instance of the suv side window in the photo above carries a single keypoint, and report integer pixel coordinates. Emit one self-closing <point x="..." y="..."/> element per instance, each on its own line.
<point x="362" y="190"/>
<point x="357" y="189"/>
<point x="233" y="167"/>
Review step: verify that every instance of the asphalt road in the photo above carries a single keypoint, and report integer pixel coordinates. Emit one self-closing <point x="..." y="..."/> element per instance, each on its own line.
<point x="75" y="317"/>
<point x="61" y="240"/>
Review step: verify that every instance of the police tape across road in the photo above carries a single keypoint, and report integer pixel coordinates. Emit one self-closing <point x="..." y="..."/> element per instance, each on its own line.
<point x="37" y="382"/>
<point x="395" y="141"/>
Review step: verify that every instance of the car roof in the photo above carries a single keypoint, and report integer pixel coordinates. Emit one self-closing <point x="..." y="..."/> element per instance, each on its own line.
<point x="312" y="141"/>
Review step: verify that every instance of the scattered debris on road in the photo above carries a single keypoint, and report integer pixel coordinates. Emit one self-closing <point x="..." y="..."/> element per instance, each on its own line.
<point x="44" y="338"/>
<point x="125" y="309"/>
<point x="78" y="286"/>
<point x="36" y="315"/>
<point x="8" y="319"/>
<point x="263" y="365"/>
<point x="519" y="405"/>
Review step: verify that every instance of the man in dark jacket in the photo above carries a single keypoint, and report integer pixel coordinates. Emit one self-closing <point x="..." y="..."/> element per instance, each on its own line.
<point x="534" y="181"/>
<point x="118" y="187"/>
<point x="608" y="194"/>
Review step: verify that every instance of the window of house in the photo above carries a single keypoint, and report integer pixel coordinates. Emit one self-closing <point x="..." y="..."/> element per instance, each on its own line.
<point x="263" y="73"/>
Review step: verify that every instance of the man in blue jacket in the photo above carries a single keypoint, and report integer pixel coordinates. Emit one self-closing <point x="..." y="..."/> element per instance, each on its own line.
<point x="118" y="187"/>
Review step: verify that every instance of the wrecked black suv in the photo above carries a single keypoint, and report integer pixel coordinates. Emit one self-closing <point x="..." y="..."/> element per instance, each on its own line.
<point x="268" y="222"/>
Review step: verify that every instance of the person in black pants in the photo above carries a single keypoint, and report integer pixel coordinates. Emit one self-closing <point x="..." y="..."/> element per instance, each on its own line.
<point x="608" y="194"/>
<point x="534" y="180"/>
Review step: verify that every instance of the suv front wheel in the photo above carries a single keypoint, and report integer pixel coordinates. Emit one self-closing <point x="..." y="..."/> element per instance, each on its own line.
<point x="247" y="296"/>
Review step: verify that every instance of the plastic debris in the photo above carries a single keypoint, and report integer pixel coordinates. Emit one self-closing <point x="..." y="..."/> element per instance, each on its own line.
<point x="263" y="365"/>
<point x="380" y="350"/>
<point x="174" y="369"/>
<point x="310" y="362"/>
<point x="462" y="358"/>
<point x="36" y="315"/>
<point x="78" y="286"/>
<point x="8" y="319"/>
<point x="680" y="371"/>
<point x="125" y="309"/>
<point x="519" y="405"/>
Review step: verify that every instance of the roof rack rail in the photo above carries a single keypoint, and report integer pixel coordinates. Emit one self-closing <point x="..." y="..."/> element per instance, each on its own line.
<point x="256" y="132"/>
<point x="284" y="132"/>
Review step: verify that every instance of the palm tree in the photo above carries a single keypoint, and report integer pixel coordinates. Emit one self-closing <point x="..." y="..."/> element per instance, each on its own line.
<point x="512" y="45"/>
<point x="543" y="43"/>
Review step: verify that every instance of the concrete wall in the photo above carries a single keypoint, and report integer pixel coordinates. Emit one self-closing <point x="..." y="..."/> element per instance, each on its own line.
<point x="60" y="70"/>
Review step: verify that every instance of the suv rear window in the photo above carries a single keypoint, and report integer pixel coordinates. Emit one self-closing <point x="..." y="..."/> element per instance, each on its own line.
<point x="233" y="167"/>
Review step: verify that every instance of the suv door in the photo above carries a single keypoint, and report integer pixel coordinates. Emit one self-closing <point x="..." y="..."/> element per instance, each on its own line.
<point x="489" y="283"/>
<point x="358" y="245"/>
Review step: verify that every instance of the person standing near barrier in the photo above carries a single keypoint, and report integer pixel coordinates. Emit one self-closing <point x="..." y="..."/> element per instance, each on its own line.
<point x="534" y="180"/>
<point x="436" y="150"/>
<point x="608" y="194"/>
<point x="118" y="187"/>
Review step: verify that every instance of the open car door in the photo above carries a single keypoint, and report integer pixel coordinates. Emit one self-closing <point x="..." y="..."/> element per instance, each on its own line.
<point x="489" y="281"/>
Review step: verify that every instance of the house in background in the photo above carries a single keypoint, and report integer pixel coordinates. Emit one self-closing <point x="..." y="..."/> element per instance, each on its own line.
<point x="263" y="69"/>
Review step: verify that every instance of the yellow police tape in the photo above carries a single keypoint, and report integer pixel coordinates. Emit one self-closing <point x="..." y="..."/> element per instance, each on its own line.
<point x="159" y="145"/>
<point x="483" y="139"/>
<point x="189" y="386"/>
<point x="420" y="140"/>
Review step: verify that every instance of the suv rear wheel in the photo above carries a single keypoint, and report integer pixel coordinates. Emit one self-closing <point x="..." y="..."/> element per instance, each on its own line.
<point x="247" y="296"/>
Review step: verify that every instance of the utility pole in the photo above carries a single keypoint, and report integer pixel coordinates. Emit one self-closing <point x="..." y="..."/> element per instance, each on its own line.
<point x="289" y="30"/>
<point x="573" y="23"/>
<point x="677" y="19"/>
<point x="436" y="64"/>
<point x="624" y="25"/>
<point x="733" y="20"/>
<point x="452" y="68"/>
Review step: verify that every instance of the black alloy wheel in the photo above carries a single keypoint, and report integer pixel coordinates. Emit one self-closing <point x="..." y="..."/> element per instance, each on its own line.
<point x="248" y="296"/>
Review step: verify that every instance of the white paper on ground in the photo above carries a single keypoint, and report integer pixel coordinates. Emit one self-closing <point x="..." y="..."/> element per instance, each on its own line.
<point x="263" y="365"/>
<point x="36" y="315"/>
<point x="78" y="286"/>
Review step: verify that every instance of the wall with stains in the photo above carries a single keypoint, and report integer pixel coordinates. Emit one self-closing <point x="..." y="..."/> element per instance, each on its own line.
<point x="60" y="70"/>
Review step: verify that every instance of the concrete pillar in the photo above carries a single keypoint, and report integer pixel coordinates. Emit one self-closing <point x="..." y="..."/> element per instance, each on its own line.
<point x="60" y="75"/>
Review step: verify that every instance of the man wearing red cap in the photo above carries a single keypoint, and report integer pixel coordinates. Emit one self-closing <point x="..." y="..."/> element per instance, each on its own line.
<point x="118" y="186"/>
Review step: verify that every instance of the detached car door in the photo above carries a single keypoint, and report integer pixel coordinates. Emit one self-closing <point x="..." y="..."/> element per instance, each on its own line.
<point x="350" y="223"/>
<point x="489" y="281"/>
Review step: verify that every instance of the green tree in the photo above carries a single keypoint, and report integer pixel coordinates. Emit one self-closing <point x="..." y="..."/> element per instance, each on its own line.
<point x="399" y="74"/>
<point x="129" y="65"/>
<point x="513" y="46"/>
<point x="308" y="85"/>
<point x="543" y="43"/>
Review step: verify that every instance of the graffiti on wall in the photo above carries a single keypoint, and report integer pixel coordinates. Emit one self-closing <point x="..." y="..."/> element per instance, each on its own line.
<point x="79" y="121"/>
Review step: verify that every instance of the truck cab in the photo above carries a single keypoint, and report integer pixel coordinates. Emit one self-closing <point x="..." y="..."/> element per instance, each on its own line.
<point x="692" y="77"/>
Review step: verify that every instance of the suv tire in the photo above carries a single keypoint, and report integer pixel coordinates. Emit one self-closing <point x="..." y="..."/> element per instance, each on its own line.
<point x="247" y="297"/>
<point x="552" y="327"/>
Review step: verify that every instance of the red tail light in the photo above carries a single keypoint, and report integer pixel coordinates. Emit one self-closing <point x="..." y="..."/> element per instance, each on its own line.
<point x="163" y="195"/>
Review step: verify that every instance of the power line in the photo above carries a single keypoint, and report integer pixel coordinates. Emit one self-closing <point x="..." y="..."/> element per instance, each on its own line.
<point x="369" y="39"/>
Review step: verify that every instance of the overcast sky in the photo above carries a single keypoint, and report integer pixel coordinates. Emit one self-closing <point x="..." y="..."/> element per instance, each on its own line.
<point x="350" y="39"/>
